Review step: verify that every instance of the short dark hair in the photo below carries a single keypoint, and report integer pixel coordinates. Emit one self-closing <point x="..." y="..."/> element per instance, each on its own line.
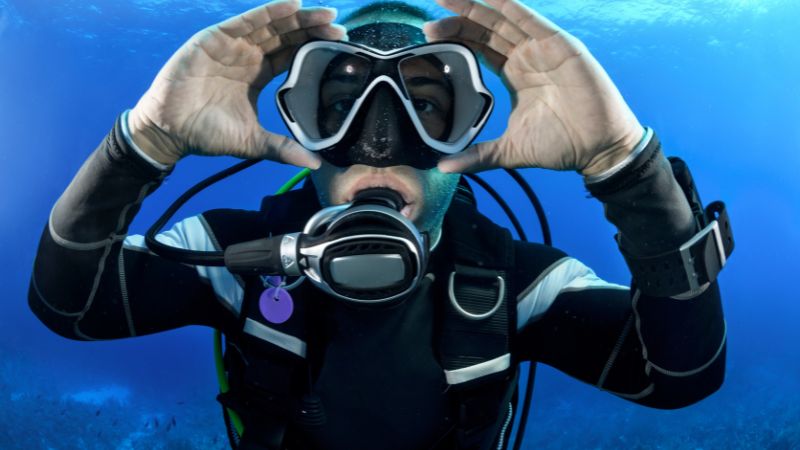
<point x="391" y="7"/>
<point x="389" y="33"/>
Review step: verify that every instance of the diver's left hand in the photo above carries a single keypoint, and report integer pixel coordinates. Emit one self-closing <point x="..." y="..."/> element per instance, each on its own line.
<point x="567" y="113"/>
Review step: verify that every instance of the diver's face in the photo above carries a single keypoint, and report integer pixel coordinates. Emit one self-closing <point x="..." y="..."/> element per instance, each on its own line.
<point x="427" y="193"/>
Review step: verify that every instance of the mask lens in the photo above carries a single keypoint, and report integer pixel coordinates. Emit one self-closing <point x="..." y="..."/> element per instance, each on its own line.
<point x="440" y="87"/>
<point x="329" y="84"/>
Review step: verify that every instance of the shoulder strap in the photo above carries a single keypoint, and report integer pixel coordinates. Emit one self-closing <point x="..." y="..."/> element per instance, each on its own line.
<point x="264" y="389"/>
<point x="478" y="322"/>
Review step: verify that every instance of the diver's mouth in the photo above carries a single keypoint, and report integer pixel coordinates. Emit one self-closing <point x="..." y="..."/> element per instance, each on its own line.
<point x="407" y="208"/>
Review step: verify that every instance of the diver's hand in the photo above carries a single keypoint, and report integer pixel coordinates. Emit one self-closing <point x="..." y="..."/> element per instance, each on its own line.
<point x="203" y="100"/>
<point x="567" y="113"/>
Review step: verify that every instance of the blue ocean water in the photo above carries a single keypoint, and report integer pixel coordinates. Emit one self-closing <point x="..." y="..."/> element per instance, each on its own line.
<point x="719" y="81"/>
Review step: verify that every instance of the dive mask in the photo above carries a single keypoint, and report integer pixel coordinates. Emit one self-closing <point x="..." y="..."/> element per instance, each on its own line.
<point x="358" y="105"/>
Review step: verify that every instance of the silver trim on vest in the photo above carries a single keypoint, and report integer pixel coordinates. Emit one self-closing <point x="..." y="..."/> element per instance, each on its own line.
<point x="483" y="369"/>
<point x="282" y="340"/>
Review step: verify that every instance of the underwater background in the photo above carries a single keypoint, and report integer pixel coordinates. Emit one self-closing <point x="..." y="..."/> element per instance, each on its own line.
<point x="718" y="80"/>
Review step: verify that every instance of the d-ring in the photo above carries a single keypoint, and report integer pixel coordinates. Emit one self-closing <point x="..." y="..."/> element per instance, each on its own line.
<point x="471" y="316"/>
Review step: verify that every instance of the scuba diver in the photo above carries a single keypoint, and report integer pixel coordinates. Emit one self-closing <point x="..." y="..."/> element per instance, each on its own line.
<point x="375" y="307"/>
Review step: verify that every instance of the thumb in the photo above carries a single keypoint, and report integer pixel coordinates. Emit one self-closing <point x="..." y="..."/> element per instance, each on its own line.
<point x="283" y="149"/>
<point x="477" y="158"/>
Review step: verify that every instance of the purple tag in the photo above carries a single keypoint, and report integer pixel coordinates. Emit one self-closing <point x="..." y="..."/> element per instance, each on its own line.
<point x="276" y="305"/>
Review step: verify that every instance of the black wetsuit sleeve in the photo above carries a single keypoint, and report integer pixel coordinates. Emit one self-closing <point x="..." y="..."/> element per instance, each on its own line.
<point x="90" y="280"/>
<point x="664" y="352"/>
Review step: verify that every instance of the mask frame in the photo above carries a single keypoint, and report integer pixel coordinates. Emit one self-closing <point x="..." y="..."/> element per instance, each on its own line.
<point x="472" y="81"/>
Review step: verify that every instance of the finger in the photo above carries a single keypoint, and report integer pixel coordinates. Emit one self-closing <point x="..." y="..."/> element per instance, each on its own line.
<point x="486" y="17"/>
<point x="308" y="17"/>
<point x="479" y="157"/>
<point x="462" y="28"/>
<point x="279" y="62"/>
<point x="529" y="21"/>
<point x="294" y="38"/>
<point x="283" y="149"/>
<point x="492" y="59"/>
<point x="278" y="54"/>
<point x="272" y="65"/>
<point x="260" y="16"/>
<point x="304" y="18"/>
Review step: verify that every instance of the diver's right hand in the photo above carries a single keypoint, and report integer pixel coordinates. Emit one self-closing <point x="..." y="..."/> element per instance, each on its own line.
<point x="203" y="101"/>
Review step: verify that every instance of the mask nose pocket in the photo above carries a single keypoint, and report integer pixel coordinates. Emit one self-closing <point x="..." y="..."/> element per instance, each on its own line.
<point x="383" y="133"/>
<point x="381" y="121"/>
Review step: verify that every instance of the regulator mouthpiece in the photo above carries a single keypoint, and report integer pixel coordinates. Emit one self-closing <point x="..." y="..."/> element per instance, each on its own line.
<point x="380" y="196"/>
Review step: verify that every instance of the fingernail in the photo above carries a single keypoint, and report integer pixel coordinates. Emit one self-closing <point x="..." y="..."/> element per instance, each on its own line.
<point x="316" y="162"/>
<point x="443" y="167"/>
<point x="333" y="11"/>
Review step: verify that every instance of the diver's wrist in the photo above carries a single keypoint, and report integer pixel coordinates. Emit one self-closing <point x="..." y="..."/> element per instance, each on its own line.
<point x="148" y="142"/>
<point x="619" y="159"/>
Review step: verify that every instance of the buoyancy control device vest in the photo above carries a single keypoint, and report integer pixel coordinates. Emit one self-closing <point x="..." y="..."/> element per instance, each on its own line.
<point x="439" y="363"/>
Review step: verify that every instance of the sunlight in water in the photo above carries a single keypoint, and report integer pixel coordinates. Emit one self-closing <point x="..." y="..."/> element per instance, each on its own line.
<point x="101" y="396"/>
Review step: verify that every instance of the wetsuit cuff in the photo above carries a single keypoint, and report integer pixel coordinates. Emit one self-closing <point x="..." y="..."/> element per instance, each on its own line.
<point x="126" y="134"/>
<point x="647" y="136"/>
<point x="641" y="164"/>
<point x="119" y="151"/>
<point x="645" y="202"/>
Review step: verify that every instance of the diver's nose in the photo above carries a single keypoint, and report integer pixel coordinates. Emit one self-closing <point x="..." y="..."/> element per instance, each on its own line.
<point x="383" y="121"/>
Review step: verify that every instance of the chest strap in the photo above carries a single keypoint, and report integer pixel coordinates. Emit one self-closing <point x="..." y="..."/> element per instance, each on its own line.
<point x="474" y="342"/>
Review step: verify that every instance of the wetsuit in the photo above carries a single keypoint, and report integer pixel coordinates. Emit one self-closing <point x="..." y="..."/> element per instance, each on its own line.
<point x="379" y="381"/>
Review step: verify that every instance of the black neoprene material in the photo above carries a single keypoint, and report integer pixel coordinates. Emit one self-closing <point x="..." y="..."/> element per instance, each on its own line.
<point x="643" y="200"/>
<point x="378" y="376"/>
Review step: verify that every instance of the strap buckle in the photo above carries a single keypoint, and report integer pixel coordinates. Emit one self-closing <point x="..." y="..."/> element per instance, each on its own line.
<point x="687" y="270"/>
<point x="711" y="269"/>
<point x="478" y="273"/>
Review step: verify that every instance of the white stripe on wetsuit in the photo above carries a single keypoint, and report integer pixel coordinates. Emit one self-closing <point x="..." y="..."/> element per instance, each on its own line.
<point x="191" y="234"/>
<point x="565" y="275"/>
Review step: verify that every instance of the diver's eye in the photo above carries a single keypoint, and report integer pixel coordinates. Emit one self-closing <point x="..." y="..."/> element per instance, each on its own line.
<point x="343" y="106"/>
<point x="424" y="106"/>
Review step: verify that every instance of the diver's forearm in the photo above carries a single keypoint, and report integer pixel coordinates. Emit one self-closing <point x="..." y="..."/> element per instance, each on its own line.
<point x="89" y="282"/>
<point x="77" y="275"/>
<point x="682" y="338"/>
<point x="104" y="196"/>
